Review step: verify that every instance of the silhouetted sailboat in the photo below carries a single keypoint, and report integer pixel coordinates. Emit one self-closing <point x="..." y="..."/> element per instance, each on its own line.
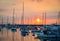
<point x="13" y="29"/>
<point x="22" y="21"/>
<point x="7" y="27"/>
<point x="2" y="26"/>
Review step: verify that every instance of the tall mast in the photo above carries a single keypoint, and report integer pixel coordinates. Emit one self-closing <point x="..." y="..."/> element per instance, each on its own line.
<point x="22" y="18"/>
<point x="58" y="19"/>
<point x="7" y="19"/>
<point x="13" y="15"/>
<point x="2" y="20"/>
<point x="28" y="21"/>
<point x="45" y="18"/>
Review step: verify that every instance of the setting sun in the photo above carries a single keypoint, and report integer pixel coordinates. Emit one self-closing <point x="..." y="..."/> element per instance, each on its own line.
<point x="38" y="20"/>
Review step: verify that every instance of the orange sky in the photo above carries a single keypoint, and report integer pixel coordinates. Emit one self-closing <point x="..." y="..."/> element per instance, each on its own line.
<point x="31" y="10"/>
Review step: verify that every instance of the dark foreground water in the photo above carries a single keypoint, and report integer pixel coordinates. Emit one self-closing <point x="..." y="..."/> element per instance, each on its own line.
<point x="52" y="34"/>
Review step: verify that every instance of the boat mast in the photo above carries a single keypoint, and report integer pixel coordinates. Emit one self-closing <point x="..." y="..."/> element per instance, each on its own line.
<point x="22" y="17"/>
<point x="58" y="18"/>
<point x="45" y="18"/>
<point x="13" y="15"/>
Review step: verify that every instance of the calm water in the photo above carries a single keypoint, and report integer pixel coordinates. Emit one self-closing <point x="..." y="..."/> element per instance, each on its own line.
<point x="8" y="35"/>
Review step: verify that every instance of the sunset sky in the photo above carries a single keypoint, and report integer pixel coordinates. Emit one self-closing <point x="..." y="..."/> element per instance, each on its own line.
<point x="33" y="9"/>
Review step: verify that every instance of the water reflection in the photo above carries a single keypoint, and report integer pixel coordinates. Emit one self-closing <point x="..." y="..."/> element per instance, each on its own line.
<point x="7" y="35"/>
<point x="30" y="33"/>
